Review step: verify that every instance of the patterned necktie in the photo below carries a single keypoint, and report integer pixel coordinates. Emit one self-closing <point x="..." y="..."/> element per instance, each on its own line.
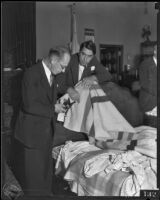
<point x="51" y="79"/>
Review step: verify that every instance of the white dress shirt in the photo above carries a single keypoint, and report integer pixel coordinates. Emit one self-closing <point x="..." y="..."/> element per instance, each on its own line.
<point x="47" y="71"/>
<point x="155" y="60"/>
<point x="81" y="69"/>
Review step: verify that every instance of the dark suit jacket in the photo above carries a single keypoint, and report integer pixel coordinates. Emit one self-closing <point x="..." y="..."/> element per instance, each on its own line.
<point x="126" y="103"/>
<point x="73" y="69"/>
<point x="148" y="82"/>
<point x="33" y="127"/>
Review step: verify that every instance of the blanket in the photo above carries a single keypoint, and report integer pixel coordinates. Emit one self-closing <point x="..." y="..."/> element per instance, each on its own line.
<point x="123" y="159"/>
<point x="92" y="171"/>
<point x="126" y="103"/>
<point x="144" y="140"/>
<point x="95" y="115"/>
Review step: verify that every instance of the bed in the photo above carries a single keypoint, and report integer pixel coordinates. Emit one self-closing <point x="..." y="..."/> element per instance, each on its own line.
<point x="100" y="153"/>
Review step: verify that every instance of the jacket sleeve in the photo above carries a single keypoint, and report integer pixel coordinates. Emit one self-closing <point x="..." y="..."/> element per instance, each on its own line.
<point x="71" y="71"/>
<point x="69" y="78"/>
<point x="100" y="72"/>
<point x="32" y="102"/>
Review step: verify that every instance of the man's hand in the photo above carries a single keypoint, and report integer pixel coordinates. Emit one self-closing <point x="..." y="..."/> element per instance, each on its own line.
<point x="74" y="94"/>
<point x="60" y="108"/>
<point x="89" y="81"/>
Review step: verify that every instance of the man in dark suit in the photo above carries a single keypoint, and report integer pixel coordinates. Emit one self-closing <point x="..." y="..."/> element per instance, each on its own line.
<point x="35" y="124"/>
<point x="85" y="66"/>
<point x="148" y="82"/>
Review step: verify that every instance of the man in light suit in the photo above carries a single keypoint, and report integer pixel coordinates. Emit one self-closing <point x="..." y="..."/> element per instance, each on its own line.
<point x="35" y="124"/>
<point x="85" y="66"/>
<point x="148" y="82"/>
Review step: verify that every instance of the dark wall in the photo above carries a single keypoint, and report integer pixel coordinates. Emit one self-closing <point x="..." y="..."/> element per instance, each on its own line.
<point x="18" y="34"/>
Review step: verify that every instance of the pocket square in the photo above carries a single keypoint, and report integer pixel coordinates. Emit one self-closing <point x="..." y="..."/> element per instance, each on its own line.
<point x="92" y="68"/>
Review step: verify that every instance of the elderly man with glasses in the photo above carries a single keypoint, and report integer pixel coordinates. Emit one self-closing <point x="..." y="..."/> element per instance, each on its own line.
<point x="36" y="123"/>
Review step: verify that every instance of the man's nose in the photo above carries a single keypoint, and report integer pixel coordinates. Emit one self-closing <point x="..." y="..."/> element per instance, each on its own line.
<point x="85" y="59"/>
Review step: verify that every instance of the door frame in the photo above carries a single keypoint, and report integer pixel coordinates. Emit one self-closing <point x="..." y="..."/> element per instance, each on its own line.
<point x="106" y="46"/>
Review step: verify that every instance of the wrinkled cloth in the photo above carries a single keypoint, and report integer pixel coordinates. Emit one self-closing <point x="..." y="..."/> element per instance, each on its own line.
<point x="95" y="115"/>
<point x="71" y="149"/>
<point x="143" y="177"/>
<point x="124" y="161"/>
<point x="95" y="172"/>
<point x="97" y="164"/>
<point x="143" y="141"/>
<point x="111" y="161"/>
<point x="101" y="184"/>
<point x="142" y="170"/>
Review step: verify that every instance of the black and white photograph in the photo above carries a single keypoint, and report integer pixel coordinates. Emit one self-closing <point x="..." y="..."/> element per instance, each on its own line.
<point x="79" y="100"/>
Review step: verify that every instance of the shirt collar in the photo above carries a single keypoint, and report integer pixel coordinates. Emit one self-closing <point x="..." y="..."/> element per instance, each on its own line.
<point x="81" y="66"/>
<point x="47" y="70"/>
<point x="155" y="60"/>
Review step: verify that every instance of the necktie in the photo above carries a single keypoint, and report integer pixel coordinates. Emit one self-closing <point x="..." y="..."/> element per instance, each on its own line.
<point x="81" y="69"/>
<point x="51" y="79"/>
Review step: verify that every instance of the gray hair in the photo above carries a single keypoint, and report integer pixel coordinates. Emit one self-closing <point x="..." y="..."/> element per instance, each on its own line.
<point x="58" y="51"/>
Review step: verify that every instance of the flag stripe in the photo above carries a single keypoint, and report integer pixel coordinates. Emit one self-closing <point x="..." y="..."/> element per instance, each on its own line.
<point x="86" y="113"/>
<point x="99" y="99"/>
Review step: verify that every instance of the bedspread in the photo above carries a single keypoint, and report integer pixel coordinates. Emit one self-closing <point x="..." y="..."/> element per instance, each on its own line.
<point x="122" y="159"/>
<point x="144" y="141"/>
<point x="95" y="172"/>
<point x="96" y="116"/>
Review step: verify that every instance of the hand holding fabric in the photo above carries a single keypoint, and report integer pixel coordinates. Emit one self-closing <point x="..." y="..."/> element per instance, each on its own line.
<point x="89" y="81"/>
<point x="74" y="94"/>
<point x="60" y="108"/>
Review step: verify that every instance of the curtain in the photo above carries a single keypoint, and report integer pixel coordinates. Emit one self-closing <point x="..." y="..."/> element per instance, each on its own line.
<point x="18" y="34"/>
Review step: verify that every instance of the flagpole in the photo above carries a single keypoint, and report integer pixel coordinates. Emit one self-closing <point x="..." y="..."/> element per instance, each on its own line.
<point x="74" y="42"/>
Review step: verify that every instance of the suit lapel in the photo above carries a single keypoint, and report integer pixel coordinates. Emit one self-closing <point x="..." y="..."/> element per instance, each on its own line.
<point x="54" y="91"/>
<point x="45" y="83"/>
<point x="75" y="70"/>
<point x="85" y="73"/>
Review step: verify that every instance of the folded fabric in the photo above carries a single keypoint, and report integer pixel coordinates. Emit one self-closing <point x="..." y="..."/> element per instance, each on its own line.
<point x="95" y="115"/>
<point x="143" y="178"/>
<point x="97" y="164"/>
<point x="143" y="141"/>
<point x="142" y="174"/>
<point x="79" y="116"/>
<point x="108" y="121"/>
<point x="71" y="149"/>
<point x="95" y="172"/>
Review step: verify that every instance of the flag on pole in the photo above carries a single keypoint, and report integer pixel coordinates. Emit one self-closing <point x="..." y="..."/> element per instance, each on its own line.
<point x="74" y="45"/>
